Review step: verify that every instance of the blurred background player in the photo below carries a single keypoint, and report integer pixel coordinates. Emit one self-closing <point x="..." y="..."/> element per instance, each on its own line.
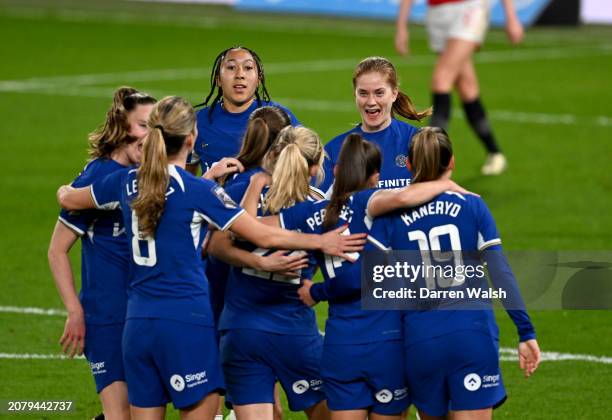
<point x="452" y="355"/>
<point x="237" y="88"/>
<point x="96" y="316"/>
<point x="378" y="99"/>
<point x="456" y="30"/>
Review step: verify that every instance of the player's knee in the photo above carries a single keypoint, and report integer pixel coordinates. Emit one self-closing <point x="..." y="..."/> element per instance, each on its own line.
<point x="442" y="81"/>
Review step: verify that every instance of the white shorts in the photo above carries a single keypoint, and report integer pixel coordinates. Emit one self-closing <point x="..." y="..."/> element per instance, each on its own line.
<point x="467" y="20"/>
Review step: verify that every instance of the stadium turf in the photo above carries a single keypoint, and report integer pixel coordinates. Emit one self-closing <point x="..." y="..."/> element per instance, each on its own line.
<point x="548" y="102"/>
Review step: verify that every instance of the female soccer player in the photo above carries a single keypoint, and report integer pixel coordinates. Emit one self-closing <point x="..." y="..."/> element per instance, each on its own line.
<point x="363" y="351"/>
<point x="169" y="345"/>
<point x="238" y="84"/>
<point x="97" y="315"/>
<point x="262" y="129"/>
<point x="452" y="355"/>
<point x="456" y="30"/>
<point x="267" y="333"/>
<point x="378" y="99"/>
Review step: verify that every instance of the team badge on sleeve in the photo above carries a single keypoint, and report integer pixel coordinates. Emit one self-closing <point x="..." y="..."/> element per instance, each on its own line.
<point x="224" y="198"/>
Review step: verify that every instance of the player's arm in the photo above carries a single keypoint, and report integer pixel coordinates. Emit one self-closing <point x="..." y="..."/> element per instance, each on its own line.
<point x="253" y="192"/>
<point x="514" y="27"/>
<point x="71" y="198"/>
<point x="401" y="28"/>
<point x="62" y="240"/>
<point x="222" y="247"/>
<point x="385" y="201"/>
<point x="264" y="236"/>
<point x="503" y="278"/>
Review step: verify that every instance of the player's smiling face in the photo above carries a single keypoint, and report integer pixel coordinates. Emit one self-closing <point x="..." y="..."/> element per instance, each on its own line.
<point x="137" y="120"/>
<point x="374" y="97"/>
<point x="238" y="78"/>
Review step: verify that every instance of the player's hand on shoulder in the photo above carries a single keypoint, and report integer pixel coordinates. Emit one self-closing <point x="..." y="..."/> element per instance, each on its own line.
<point x="529" y="356"/>
<point x="227" y="165"/>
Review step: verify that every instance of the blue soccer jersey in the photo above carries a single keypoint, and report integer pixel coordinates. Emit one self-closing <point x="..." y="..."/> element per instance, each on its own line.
<point x="104" y="252"/>
<point x="347" y="322"/>
<point x="261" y="300"/>
<point x="167" y="278"/>
<point x="220" y="133"/>
<point x="449" y="222"/>
<point x="393" y="143"/>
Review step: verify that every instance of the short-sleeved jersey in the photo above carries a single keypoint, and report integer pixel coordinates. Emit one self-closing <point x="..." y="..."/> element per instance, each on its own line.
<point x="450" y="222"/>
<point x="167" y="277"/>
<point x="347" y="323"/>
<point x="220" y="134"/>
<point x="261" y="300"/>
<point x="393" y="143"/>
<point x="104" y="252"/>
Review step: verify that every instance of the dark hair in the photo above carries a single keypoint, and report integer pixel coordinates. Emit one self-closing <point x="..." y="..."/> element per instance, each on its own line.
<point x="114" y="132"/>
<point x="171" y="121"/>
<point x="429" y="154"/>
<point x="261" y="93"/>
<point x="403" y="104"/>
<point x="358" y="161"/>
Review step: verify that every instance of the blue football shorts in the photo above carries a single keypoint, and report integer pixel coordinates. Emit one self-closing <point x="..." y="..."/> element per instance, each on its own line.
<point x="457" y="371"/>
<point x="254" y="360"/>
<point x="168" y="360"/>
<point x="103" y="352"/>
<point x="365" y="376"/>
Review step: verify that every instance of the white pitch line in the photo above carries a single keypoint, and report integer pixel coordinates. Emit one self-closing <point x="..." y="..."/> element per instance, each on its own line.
<point x="347" y="64"/>
<point x="317" y="105"/>
<point x="32" y="311"/>
<point x="26" y="356"/>
<point x="510" y="354"/>
<point x="506" y="353"/>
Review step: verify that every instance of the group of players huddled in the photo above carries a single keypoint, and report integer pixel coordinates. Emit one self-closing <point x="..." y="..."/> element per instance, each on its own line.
<point x="196" y="286"/>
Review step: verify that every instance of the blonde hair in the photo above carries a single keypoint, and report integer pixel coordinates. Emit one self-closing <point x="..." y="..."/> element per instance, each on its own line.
<point x="430" y="154"/>
<point x="171" y="120"/>
<point x="289" y="160"/>
<point x="114" y="132"/>
<point x="403" y="104"/>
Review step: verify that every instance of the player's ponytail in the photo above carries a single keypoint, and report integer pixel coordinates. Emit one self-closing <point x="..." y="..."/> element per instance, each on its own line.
<point x="301" y="149"/>
<point x="264" y="125"/>
<point x="114" y="132"/>
<point x="171" y="120"/>
<point x="430" y="154"/>
<point x="358" y="161"/>
<point x="403" y="104"/>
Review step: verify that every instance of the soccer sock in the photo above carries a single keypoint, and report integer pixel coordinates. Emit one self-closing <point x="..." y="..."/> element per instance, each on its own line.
<point x="476" y="116"/>
<point x="441" y="110"/>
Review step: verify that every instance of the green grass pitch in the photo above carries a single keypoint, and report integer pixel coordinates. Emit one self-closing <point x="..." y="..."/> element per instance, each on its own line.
<point x="549" y="103"/>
